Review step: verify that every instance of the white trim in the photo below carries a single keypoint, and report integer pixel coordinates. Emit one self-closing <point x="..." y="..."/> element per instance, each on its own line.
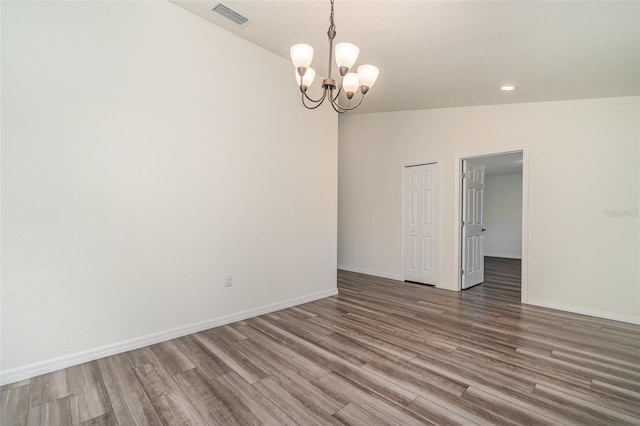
<point x="524" y="268"/>
<point x="446" y="286"/>
<point x="504" y="255"/>
<point x="36" y="369"/>
<point x="438" y="216"/>
<point x="369" y="272"/>
<point x="524" y="293"/>
<point x="589" y="312"/>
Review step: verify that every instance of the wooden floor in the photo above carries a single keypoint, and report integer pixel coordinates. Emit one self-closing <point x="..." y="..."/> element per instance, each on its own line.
<point x="382" y="352"/>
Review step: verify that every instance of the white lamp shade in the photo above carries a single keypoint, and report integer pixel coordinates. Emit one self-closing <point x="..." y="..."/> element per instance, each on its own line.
<point x="301" y="55"/>
<point x="346" y="54"/>
<point x="350" y="82"/>
<point x="308" y="77"/>
<point x="367" y="75"/>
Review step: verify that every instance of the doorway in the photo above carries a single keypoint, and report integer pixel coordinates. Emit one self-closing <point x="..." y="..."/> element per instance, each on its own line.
<point x="420" y="223"/>
<point x="491" y="206"/>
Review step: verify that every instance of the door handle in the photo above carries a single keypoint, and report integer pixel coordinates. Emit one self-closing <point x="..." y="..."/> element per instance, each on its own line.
<point x="484" y="229"/>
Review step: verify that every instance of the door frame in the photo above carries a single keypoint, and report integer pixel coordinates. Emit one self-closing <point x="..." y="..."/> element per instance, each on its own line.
<point x="437" y="218"/>
<point x="457" y="213"/>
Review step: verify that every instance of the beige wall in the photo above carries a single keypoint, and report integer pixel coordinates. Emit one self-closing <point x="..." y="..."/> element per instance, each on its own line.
<point x="144" y="156"/>
<point x="583" y="160"/>
<point x="503" y="215"/>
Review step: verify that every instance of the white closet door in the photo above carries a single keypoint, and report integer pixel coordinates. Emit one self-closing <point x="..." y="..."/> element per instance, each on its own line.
<point x="420" y="224"/>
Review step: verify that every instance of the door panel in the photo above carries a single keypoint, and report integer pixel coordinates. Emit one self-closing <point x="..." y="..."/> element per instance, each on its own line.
<point x="413" y="263"/>
<point x="426" y="254"/>
<point x="473" y="224"/>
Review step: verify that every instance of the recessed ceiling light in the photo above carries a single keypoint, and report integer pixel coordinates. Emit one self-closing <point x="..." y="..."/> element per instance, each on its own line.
<point x="507" y="87"/>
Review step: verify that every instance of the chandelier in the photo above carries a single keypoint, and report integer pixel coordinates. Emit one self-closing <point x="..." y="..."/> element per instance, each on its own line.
<point x="350" y="82"/>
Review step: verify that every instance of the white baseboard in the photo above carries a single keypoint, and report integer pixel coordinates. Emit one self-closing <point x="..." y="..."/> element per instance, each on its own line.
<point x="589" y="312"/>
<point x="368" y="272"/>
<point x="32" y="370"/>
<point x="505" y="256"/>
<point x="447" y="286"/>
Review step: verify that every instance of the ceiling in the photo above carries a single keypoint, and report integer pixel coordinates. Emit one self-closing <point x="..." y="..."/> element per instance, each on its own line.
<point x="435" y="54"/>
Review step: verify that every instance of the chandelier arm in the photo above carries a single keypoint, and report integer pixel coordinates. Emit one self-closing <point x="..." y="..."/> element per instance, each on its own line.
<point x="317" y="103"/>
<point x="337" y="109"/>
<point x="337" y="94"/>
<point x="348" y="108"/>
<point x="324" y="94"/>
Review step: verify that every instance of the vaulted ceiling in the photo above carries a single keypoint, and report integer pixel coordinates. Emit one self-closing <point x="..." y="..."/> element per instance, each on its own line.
<point x="434" y="54"/>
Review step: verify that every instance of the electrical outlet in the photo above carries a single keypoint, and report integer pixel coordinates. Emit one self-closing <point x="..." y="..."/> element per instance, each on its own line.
<point x="228" y="280"/>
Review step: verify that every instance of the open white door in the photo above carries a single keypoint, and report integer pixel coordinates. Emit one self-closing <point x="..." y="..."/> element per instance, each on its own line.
<point x="420" y="224"/>
<point x="472" y="224"/>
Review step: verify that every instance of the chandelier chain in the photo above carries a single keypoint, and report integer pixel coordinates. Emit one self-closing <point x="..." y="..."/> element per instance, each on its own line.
<point x="332" y="25"/>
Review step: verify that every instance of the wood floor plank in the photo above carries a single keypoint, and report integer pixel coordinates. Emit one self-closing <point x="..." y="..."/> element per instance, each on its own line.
<point x="559" y="411"/>
<point x="368" y="341"/>
<point x="142" y="356"/>
<point x="129" y="401"/>
<point x="519" y="361"/>
<point x="374" y="383"/>
<point x="283" y="354"/>
<point x="14" y="404"/>
<point x="627" y="385"/>
<point x="56" y="412"/>
<point x="226" y="332"/>
<point x="302" y="410"/>
<point x="327" y="399"/>
<point x="621" y="391"/>
<point x="213" y="403"/>
<point x="15" y="385"/>
<point x="295" y="320"/>
<point x="108" y="419"/>
<point x="348" y="349"/>
<point x="255" y="400"/>
<point x="353" y="415"/>
<point x="506" y="409"/>
<point x="242" y="364"/>
<point x="436" y="414"/>
<point x="462" y="373"/>
<point x="602" y="414"/>
<point x="172" y="406"/>
<point x="372" y="403"/>
<point x="621" y="372"/>
<point x="594" y="398"/>
<point x="48" y="387"/>
<point x="172" y="358"/>
<point x="414" y="378"/>
<point x="89" y="397"/>
<point x="207" y="363"/>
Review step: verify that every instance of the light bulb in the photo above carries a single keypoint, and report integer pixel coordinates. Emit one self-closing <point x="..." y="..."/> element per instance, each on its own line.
<point x="346" y="56"/>
<point x="307" y="79"/>
<point x="301" y="55"/>
<point x="350" y="84"/>
<point x="367" y="75"/>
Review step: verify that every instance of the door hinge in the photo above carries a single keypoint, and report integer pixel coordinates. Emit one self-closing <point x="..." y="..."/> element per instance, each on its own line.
<point x="462" y="223"/>
<point x="463" y="174"/>
<point x="461" y="271"/>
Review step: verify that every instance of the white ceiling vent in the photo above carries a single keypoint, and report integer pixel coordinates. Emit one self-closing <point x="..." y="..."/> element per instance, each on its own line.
<point x="230" y="14"/>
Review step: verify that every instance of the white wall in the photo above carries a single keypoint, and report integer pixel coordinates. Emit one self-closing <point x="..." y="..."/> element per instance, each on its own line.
<point x="503" y="215"/>
<point x="146" y="153"/>
<point x="583" y="158"/>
